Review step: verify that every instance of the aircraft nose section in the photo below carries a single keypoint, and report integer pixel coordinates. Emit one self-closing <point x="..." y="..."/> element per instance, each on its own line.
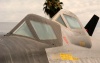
<point x="83" y="41"/>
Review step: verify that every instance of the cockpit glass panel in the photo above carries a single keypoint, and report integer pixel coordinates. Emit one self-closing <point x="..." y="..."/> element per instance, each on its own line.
<point x="23" y="30"/>
<point x="60" y="20"/>
<point x="73" y="22"/>
<point x="43" y="31"/>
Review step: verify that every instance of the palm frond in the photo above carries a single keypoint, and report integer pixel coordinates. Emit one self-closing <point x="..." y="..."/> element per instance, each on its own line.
<point x="51" y="7"/>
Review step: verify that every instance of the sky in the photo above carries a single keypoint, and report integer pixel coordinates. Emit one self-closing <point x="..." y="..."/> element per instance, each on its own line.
<point x="16" y="10"/>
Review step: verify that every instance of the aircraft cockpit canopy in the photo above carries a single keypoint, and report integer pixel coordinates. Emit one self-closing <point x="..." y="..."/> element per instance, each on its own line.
<point x="38" y="28"/>
<point x="67" y="19"/>
<point x="73" y="22"/>
<point x="43" y="31"/>
<point x="72" y="29"/>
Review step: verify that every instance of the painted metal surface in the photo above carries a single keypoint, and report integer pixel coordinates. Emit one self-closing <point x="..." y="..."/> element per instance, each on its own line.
<point x="72" y="54"/>
<point x="21" y="50"/>
<point x="64" y="49"/>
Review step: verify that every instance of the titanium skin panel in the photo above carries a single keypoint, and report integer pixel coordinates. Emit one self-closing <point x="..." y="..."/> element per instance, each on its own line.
<point x="36" y="39"/>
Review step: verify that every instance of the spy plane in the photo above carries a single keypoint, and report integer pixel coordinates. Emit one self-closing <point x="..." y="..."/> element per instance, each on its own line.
<point x="62" y="39"/>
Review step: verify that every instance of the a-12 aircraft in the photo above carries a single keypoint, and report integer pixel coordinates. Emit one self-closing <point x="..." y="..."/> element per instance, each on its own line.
<point x="61" y="39"/>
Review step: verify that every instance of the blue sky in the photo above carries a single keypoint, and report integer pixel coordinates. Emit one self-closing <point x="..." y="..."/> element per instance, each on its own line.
<point x="16" y="10"/>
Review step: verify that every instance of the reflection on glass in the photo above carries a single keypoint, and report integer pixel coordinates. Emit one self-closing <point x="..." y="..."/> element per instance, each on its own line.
<point x="73" y="23"/>
<point x="44" y="31"/>
<point x="60" y="20"/>
<point x="23" y="30"/>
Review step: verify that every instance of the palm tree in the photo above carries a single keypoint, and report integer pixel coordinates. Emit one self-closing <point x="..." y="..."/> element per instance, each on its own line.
<point x="51" y="7"/>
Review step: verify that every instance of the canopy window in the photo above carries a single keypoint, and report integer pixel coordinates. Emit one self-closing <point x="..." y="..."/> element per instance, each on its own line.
<point x="73" y="22"/>
<point x="60" y="20"/>
<point x="23" y="30"/>
<point x="43" y="31"/>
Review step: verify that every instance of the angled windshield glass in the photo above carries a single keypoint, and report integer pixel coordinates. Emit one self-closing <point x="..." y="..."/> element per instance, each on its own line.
<point x="43" y="31"/>
<point x="23" y="30"/>
<point x="60" y="20"/>
<point x="73" y="22"/>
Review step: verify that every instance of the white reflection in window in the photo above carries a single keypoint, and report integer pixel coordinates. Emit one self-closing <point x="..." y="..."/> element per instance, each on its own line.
<point x="44" y="31"/>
